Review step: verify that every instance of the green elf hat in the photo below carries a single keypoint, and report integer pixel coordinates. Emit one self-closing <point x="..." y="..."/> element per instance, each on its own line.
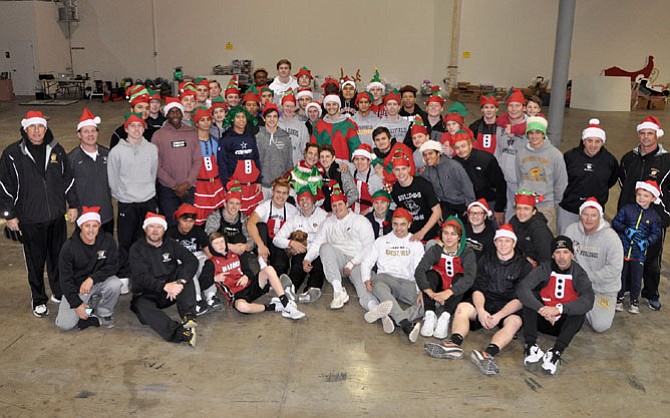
<point x="435" y="96"/>
<point x="537" y="123"/>
<point x="251" y="95"/>
<point x="376" y="81"/>
<point x="457" y="113"/>
<point x="232" y="87"/>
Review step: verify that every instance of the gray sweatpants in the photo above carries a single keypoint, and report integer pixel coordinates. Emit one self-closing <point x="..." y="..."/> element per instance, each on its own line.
<point x="602" y="315"/>
<point x="565" y="219"/>
<point x="108" y="291"/>
<point x="386" y="287"/>
<point x="333" y="261"/>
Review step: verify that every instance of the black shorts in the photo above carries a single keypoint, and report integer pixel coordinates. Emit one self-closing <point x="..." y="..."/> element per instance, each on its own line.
<point x="491" y="307"/>
<point x="251" y="292"/>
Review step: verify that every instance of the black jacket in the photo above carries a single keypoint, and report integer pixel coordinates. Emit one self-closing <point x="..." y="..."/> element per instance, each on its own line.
<point x="153" y="267"/>
<point x="78" y="261"/>
<point x="30" y="193"/>
<point x="487" y="177"/>
<point x="588" y="176"/>
<point x="90" y="181"/>
<point x="497" y="279"/>
<point x="533" y="237"/>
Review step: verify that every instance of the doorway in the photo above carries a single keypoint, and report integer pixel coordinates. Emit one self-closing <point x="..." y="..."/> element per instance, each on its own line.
<point x="22" y="61"/>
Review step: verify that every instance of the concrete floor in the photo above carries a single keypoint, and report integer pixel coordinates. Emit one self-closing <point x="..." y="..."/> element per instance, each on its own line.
<point x="330" y="364"/>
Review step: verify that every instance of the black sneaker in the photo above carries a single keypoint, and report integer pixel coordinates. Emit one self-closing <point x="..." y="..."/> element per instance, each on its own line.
<point x="550" y="361"/>
<point x="188" y="336"/>
<point x="201" y="308"/>
<point x="654" y="304"/>
<point x="188" y="322"/>
<point x="215" y="304"/>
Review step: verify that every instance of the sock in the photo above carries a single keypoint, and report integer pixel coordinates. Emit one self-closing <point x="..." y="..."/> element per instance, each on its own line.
<point x="406" y="326"/>
<point x="270" y="307"/>
<point x="492" y="350"/>
<point x="284" y="300"/>
<point x="457" y="339"/>
<point x="337" y="286"/>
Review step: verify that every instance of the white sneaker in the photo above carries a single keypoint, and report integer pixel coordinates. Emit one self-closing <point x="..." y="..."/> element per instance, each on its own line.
<point x="414" y="334"/>
<point x="428" y="326"/>
<point x="289" y="288"/>
<point x="54" y="299"/>
<point x="550" y="361"/>
<point x="278" y="306"/>
<point x="41" y="311"/>
<point x="387" y="325"/>
<point x="442" y="326"/>
<point x="125" y="282"/>
<point x="339" y="299"/>
<point x="291" y="311"/>
<point x="378" y="312"/>
<point x="532" y="354"/>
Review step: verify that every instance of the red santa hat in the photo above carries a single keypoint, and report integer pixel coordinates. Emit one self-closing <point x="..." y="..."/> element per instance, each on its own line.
<point x="418" y="126"/>
<point x="591" y="202"/>
<point x="89" y="214"/>
<point x="594" y="130"/>
<point x="651" y="122"/>
<point x="304" y="92"/>
<point x="403" y="213"/>
<point x="330" y="80"/>
<point x="315" y="105"/>
<point x="348" y="81"/>
<point x="506" y="231"/>
<point x="336" y="195"/>
<point x="87" y="119"/>
<point x="525" y="197"/>
<point x="33" y="117"/>
<point x="185" y="209"/>
<point x="288" y="96"/>
<point x="234" y="190"/>
<point x="482" y="204"/>
<point x="515" y="95"/>
<point x="304" y="71"/>
<point x="200" y="113"/>
<point x="652" y="187"/>
<point x="392" y="95"/>
<point x="490" y="99"/>
<point x="332" y="98"/>
<point x="154" y="219"/>
<point x="172" y="102"/>
<point x="363" y="95"/>
<point x="431" y="145"/>
<point x="364" y="150"/>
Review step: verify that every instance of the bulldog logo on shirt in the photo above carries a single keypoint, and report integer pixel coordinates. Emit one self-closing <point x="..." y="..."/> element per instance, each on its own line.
<point x="166" y="257"/>
<point x="102" y="254"/>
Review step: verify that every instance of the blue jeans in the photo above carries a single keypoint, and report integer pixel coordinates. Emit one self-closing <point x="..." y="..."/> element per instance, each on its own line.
<point x="169" y="202"/>
<point x="631" y="279"/>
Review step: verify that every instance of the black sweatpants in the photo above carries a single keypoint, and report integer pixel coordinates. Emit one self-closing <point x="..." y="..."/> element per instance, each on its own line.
<point x="42" y="243"/>
<point x="278" y="257"/>
<point x="565" y="328"/>
<point x="149" y="310"/>
<point x="129" y="229"/>
<point x="652" y="268"/>
<point x="435" y="282"/>
<point x="297" y="274"/>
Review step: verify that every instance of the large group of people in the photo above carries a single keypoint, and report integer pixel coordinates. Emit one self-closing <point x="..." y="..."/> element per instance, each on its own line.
<point x="223" y="197"/>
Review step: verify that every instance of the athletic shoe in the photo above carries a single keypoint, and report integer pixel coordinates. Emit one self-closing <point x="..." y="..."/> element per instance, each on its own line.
<point x="414" y="334"/>
<point x="125" y="288"/>
<point x="387" y="325"/>
<point x="446" y="349"/>
<point x="634" y="307"/>
<point x="532" y="354"/>
<point x="215" y="304"/>
<point x="278" y="305"/>
<point x="619" y="305"/>
<point x="289" y="288"/>
<point x="442" y="326"/>
<point x="189" y="322"/>
<point x="310" y="296"/>
<point x="189" y="336"/>
<point x="339" y="299"/>
<point x="291" y="311"/>
<point x="201" y="307"/>
<point x="54" y="299"/>
<point x="107" y="321"/>
<point x="550" y="360"/>
<point x="428" y="327"/>
<point x="484" y="362"/>
<point x="378" y="312"/>
<point x="654" y="304"/>
<point x="41" y="311"/>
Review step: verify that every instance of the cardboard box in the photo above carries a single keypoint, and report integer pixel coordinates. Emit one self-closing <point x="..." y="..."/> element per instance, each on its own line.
<point x="650" y="102"/>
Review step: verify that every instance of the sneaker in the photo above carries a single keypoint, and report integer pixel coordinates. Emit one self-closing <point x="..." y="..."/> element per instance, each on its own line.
<point x="201" y="307"/>
<point x="54" y="299"/>
<point x="339" y="299"/>
<point x="41" y="311"/>
<point x="278" y="305"/>
<point x="107" y="321"/>
<point x="654" y="304"/>
<point x="550" y="360"/>
<point x="634" y="307"/>
<point x="532" y="354"/>
<point x="484" y="362"/>
<point x="291" y="311"/>
<point x="387" y="325"/>
<point x="619" y="305"/>
<point x="428" y="326"/>
<point x="310" y="296"/>
<point x="442" y="326"/>
<point x="446" y="349"/>
<point x="378" y="312"/>
<point x="125" y="285"/>
<point x="414" y="334"/>
<point x="189" y="336"/>
<point x="289" y="288"/>
<point x="215" y="304"/>
<point x="189" y="323"/>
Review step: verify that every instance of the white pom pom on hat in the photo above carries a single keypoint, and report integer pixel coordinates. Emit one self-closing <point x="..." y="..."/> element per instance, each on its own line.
<point x="594" y="131"/>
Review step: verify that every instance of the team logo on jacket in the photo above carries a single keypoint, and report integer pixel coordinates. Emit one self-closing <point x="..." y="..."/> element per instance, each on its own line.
<point x="588" y="167"/>
<point x="653" y="173"/>
<point x="54" y="158"/>
<point x="166" y="257"/>
<point x="102" y="254"/>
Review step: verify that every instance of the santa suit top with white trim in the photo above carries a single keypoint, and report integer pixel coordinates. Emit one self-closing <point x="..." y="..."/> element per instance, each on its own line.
<point x="238" y="158"/>
<point x="209" y="194"/>
<point x="275" y="217"/>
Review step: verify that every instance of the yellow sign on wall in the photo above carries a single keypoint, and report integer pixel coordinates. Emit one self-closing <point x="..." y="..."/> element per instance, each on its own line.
<point x="229" y="46"/>
<point x="466" y="54"/>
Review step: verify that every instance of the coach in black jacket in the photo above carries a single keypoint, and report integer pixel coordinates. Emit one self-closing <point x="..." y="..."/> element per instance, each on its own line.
<point x="161" y="274"/>
<point x="35" y="182"/>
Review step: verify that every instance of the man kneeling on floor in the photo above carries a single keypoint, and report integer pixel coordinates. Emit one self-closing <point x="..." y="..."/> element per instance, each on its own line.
<point x="162" y="274"/>
<point x="556" y="296"/>
<point x="493" y="304"/>
<point x="87" y="265"/>
<point x="397" y="257"/>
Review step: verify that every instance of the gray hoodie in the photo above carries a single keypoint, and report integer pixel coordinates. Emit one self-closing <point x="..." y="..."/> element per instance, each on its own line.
<point x="132" y="170"/>
<point x="600" y="255"/>
<point x="542" y="171"/>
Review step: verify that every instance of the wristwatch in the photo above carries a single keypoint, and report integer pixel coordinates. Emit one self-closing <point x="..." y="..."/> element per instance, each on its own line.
<point x="560" y="308"/>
